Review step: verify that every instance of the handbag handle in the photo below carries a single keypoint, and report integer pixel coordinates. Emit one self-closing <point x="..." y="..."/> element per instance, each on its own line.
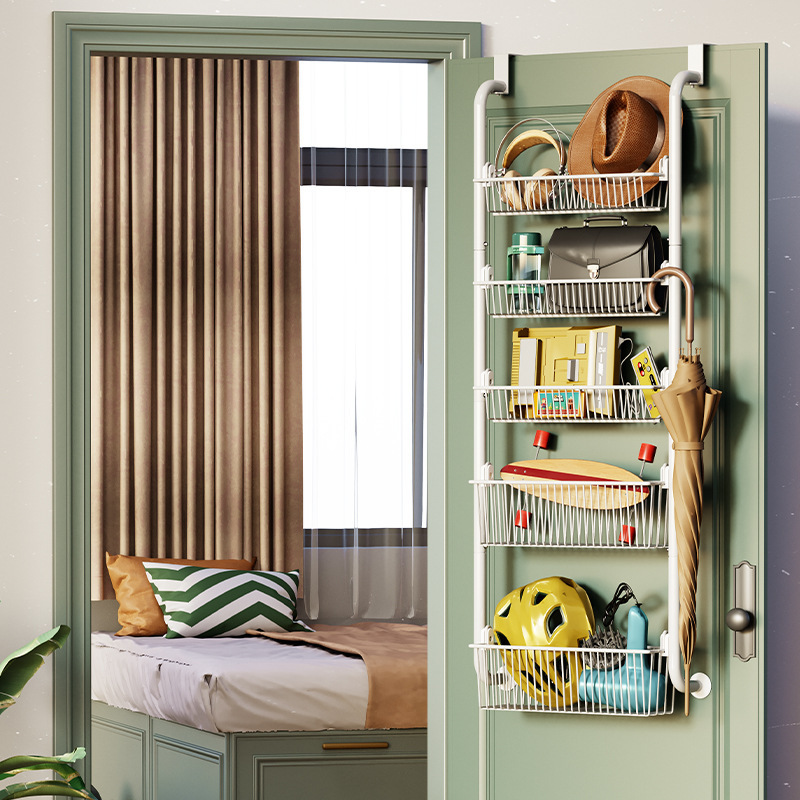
<point x="589" y="220"/>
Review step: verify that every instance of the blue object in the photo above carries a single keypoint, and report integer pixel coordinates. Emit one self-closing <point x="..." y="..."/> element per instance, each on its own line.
<point x="633" y="687"/>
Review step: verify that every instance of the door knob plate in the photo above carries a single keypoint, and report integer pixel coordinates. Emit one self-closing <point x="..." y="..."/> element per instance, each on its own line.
<point x="741" y="618"/>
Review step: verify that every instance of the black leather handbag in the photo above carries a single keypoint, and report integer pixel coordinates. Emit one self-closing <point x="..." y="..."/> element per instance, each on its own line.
<point x="609" y="260"/>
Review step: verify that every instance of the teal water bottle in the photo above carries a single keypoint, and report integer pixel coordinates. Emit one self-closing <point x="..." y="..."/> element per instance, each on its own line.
<point x="524" y="263"/>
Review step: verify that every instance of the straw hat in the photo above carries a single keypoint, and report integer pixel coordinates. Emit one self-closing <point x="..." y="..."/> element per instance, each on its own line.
<point x="626" y="129"/>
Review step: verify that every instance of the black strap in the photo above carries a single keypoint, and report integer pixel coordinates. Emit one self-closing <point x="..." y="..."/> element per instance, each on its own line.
<point x="621" y="595"/>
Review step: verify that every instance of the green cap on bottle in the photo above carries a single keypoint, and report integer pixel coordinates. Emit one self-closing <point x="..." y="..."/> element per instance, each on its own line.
<point x="526" y="240"/>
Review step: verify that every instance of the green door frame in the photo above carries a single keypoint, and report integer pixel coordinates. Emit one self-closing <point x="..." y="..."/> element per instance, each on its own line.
<point x="75" y="37"/>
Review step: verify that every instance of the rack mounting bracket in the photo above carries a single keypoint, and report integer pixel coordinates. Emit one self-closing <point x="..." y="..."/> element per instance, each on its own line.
<point x="501" y="71"/>
<point x="697" y="62"/>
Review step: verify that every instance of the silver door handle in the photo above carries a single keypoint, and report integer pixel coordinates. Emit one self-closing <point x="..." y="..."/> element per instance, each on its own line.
<point x="737" y="619"/>
<point x="741" y="619"/>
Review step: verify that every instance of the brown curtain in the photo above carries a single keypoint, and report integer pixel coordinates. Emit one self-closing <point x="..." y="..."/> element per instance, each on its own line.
<point x="196" y="431"/>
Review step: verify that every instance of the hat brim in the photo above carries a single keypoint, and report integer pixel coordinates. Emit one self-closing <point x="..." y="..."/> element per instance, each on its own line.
<point x="621" y="191"/>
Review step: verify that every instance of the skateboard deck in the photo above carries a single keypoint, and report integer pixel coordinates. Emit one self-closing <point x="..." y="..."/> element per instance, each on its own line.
<point x="579" y="483"/>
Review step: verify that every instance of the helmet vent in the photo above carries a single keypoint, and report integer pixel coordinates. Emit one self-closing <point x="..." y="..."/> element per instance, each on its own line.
<point x="543" y="680"/>
<point x="555" y="619"/>
<point x="562" y="667"/>
<point x="503" y="612"/>
<point x="501" y="639"/>
<point x="538" y="597"/>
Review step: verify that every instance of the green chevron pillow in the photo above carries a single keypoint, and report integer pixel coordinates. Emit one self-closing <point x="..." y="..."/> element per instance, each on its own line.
<point x="209" y="602"/>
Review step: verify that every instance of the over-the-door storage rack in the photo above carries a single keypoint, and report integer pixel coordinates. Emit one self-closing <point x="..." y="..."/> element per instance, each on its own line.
<point x="496" y="502"/>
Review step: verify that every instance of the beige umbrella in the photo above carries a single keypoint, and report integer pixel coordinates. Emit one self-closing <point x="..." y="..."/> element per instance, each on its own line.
<point x="687" y="407"/>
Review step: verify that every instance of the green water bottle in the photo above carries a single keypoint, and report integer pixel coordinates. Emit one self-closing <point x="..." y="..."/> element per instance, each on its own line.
<point x="524" y="263"/>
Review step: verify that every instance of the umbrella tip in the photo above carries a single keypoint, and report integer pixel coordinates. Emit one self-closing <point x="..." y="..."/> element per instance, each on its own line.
<point x="686" y="691"/>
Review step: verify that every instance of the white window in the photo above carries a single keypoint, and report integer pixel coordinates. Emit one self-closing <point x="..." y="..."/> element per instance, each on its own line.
<point x="363" y="134"/>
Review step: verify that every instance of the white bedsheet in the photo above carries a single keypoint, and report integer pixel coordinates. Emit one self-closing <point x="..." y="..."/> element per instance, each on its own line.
<point x="232" y="684"/>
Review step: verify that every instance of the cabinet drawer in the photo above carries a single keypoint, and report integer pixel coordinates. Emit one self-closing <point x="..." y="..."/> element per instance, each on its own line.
<point x="336" y="765"/>
<point x="335" y="744"/>
<point x="350" y="777"/>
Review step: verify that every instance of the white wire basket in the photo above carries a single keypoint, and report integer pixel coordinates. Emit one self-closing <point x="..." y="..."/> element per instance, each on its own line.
<point x="600" y="297"/>
<point x="584" y="403"/>
<point x="560" y="194"/>
<point x="609" y="515"/>
<point x="568" y="680"/>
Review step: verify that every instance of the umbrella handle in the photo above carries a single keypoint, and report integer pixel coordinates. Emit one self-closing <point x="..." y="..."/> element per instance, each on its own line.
<point x="688" y="285"/>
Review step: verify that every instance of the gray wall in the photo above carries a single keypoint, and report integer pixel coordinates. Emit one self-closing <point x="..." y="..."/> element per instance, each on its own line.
<point x="516" y="26"/>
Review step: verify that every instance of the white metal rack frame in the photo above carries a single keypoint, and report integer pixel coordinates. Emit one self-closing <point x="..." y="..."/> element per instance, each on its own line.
<point x="614" y="297"/>
<point x="573" y="194"/>
<point x="567" y="680"/>
<point x="557" y="195"/>
<point x="573" y="403"/>
<point x="622" y="516"/>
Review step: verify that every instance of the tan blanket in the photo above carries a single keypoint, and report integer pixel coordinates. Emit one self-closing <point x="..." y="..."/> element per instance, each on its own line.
<point x="396" y="657"/>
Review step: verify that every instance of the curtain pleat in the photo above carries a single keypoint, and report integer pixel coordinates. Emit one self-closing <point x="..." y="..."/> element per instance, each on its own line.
<point x="177" y="320"/>
<point x="195" y="287"/>
<point x="260" y="138"/>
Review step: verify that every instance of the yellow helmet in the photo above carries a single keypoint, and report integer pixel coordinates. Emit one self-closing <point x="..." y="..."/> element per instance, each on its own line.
<point x="551" y="612"/>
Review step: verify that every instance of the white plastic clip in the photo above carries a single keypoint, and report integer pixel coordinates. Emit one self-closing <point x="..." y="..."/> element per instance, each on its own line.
<point x="697" y="62"/>
<point x="501" y="71"/>
<point x="487" y="378"/>
<point x="487" y="472"/>
<point x="700" y="685"/>
<point x="488" y="274"/>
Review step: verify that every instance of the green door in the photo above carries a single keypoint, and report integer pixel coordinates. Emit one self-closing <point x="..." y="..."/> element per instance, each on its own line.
<point x="717" y="751"/>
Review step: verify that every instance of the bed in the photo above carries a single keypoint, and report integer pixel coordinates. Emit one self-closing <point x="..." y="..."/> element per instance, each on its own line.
<point x="222" y="686"/>
<point x="252" y="718"/>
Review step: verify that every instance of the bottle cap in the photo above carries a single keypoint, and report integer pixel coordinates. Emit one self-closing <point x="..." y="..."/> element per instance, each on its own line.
<point x="526" y="239"/>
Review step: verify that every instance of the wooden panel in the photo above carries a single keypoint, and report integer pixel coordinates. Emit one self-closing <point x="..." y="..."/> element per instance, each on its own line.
<point x="183" y="769"/>
<point x="269" y="765"/>
<point x="121" y="755"/>
<point x="346" y="777"/>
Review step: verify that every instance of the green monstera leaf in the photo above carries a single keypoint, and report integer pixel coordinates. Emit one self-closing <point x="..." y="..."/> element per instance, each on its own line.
<point x="15" y="672"/>
<point x="71" y="785"/>
<point x="22" y="664"/>
<point x="43" y="789"/>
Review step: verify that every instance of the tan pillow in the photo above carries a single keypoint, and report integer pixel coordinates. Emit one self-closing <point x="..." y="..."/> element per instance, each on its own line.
<point x="139" y="613"/>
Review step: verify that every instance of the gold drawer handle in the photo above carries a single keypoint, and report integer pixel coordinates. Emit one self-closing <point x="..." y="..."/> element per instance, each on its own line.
<point x="355" y="745"/>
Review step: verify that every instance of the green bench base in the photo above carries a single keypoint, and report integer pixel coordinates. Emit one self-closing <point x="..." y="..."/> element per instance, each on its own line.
<point x="136" y="757"/>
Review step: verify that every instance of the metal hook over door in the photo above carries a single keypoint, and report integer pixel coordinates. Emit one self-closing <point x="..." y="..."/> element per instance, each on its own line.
<point x="741" y="619"/>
